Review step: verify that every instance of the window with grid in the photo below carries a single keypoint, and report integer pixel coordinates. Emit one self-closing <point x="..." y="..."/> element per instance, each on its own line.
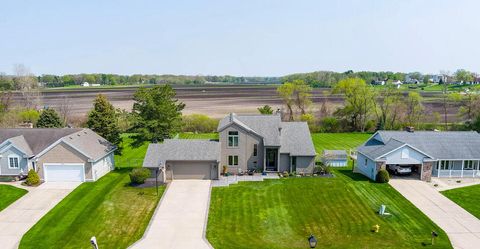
<point x="233" y="139"/>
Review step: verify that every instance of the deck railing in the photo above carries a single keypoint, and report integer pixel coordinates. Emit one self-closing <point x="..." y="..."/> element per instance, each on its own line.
<point x="456" y="173"/>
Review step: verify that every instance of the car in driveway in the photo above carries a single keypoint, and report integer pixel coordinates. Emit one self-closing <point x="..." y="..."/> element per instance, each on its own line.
<point x="400" y="169"/>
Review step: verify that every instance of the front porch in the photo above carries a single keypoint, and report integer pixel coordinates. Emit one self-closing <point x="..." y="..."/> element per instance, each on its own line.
<point x="456" y="168"/>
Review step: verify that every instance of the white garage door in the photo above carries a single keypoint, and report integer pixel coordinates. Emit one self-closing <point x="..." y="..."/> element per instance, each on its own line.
<point x="64" y="172"/>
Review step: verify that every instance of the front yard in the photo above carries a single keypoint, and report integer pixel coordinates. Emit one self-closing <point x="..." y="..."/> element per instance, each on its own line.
<point x="116" y="213"/>
<point x="466" y="197"/>
<point x="339" y="211"/>
<point x="9" y="194"/>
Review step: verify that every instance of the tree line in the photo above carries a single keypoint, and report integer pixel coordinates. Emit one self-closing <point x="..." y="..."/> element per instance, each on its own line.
<point x="367" y="109"/>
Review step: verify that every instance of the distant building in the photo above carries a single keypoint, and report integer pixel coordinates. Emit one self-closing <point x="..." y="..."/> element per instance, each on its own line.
<point x="378" y="82"/>
<point x="94" y="84"/>
<point x="438" y="78"/>
<point x="85" y="84"/>
<point x="410" y="80"/>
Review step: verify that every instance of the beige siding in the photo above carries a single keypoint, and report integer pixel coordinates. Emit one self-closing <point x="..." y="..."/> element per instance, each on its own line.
<point x="63" y="153"/>
<point x="244" y="151"/>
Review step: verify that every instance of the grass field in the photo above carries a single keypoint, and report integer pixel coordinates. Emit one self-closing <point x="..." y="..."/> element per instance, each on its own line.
<point x="9" y="194"/>
<point x="109" y="209"/>
<point x="189" y="135"/>
<point x="339" y="211"/>
<point x="338" y="141"/>
<point x="131" y="156"/>
<point x="467" y="197"/>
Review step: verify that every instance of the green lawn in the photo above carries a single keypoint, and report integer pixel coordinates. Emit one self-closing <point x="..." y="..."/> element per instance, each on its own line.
<point x="116" y="213"/>
<point x="338" y="141"/>
<point x="339" y="211"/>
<point x="9" y="194"/>
<point x="132" y="156"/>
<point x="190" y="135"/>
<point x="467" y="197"/>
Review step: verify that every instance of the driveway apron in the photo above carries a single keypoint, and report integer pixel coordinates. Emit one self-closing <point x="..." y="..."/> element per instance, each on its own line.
<point x="20" y="216"/>
<point x="180" y="218"/>
<point x="462" y="228"/>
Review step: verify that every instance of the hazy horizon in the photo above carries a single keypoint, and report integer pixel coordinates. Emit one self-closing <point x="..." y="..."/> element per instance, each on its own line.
<point x="247" y="38"/>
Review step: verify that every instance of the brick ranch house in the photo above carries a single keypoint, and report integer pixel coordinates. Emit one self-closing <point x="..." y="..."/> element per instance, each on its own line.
<point x="429" y="153"/>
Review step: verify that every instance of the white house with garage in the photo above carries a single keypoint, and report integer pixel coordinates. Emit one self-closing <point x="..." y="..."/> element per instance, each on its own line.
<point x="57" y="154"/>
<point x="246" y="143"/>
<point x="425" y="154"/>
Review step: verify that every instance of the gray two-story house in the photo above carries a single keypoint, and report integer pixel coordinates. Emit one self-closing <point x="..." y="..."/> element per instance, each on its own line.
<point x="246" y="142"/>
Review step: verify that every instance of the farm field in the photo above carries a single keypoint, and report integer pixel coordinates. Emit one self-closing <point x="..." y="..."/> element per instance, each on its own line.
<point x="213" y="100"/>
<point x="466" y="197"/>
<point x="339" y="211"/>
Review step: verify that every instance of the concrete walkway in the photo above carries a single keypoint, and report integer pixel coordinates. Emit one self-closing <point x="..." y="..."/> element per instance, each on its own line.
<point x="20" y="216"/>
<point x="180" y="218"/>
<point x="462" y="228"/>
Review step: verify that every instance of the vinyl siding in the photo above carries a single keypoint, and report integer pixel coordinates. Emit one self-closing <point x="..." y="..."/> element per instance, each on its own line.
<point x="22" y="162"/>
<point x="305" y="164"/>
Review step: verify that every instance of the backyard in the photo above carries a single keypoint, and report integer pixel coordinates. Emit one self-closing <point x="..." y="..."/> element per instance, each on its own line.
<point x="116" y="213"/>
<point x="339" y="211"/>
<point x="9" y="194"/>
<point x="338" y="141"/>
<point x="466" y="197"/>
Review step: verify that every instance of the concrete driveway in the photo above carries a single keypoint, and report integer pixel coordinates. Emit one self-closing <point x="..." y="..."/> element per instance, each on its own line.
<point x="180" y="218"/>
<point x="462" y="228"/>
<point x="21" y="215"/>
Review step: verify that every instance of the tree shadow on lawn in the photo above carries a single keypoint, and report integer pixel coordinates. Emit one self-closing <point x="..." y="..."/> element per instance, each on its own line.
<point x="354" y="176"/>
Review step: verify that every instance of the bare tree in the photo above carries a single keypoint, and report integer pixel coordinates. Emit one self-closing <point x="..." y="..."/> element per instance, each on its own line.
<point x="26" y="83"/>
<point x="64" y="109"/>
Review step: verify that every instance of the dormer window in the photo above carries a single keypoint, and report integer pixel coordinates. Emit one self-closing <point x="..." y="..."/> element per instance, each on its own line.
<point x="233" y="139"/>
<point x="13" y="162"/>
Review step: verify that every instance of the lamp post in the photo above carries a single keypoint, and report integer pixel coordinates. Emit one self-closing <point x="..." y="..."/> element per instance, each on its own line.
<point x="434" y="235"/>
<point x="312" y="241"/>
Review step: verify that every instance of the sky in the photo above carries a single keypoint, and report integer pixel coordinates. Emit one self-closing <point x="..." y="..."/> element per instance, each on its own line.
<point x="243" y="37"/>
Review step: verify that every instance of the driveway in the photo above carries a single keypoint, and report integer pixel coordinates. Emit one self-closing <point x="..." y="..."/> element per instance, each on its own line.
<point x="180" y="218"/>
<point x="20" y="216"/>
<point x="462" y="228"/>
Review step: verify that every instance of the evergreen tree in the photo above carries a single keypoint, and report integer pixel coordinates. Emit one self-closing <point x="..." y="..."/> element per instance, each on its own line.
<point x="49" y="119"/>
<point x="157" y="114"/>
<point x="102" y="119"/>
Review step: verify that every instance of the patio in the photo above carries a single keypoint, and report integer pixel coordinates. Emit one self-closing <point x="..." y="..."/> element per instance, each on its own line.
<point x="457" y="168"/>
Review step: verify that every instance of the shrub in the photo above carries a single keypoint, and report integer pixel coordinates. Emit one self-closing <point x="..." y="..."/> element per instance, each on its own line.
<point x="224" y="169"/>
<point x="285" y="174"/>
<point x="330" y="124"/>
<point x="199" y="123"/>
<point x="383" y="176"/>
<point x="32" y="178"/>
<point x="139" y="175"/>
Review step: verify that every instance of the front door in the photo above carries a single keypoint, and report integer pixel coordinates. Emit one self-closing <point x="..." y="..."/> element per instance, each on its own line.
<point x="271" y="159"/>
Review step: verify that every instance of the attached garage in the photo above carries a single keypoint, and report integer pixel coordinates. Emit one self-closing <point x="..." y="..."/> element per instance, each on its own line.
<point x="191" y="170"/>
<point x="61" y="172"/>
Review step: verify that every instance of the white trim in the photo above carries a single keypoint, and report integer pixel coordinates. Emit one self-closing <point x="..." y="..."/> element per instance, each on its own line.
<point x="13" y="145"/>
<point x="404" y="146"/>
<point x="61" y="164"/>
<point x="18" y="161"/>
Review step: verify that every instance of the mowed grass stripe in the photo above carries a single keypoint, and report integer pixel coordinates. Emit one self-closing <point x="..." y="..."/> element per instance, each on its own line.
<point x="340" y="211"/>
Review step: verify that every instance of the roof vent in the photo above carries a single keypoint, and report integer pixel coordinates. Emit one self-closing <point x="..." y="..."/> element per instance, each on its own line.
<point x="410" y="129"/>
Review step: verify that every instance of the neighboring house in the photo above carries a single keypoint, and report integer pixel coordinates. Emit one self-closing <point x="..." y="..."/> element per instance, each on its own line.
<point x="438" y="78"/>
<point x="58" y="155"/>
<point x="85" y="84"/>
<point x="378" y="82"/>
<point x="261" y="142"/>
<point x="335" y="158"/>
<point x="429" y="153"/>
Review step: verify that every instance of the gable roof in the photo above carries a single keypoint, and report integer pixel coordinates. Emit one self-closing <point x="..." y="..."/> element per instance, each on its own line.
<point x="39" y="140"/>
<point x="265" y="126"/>
<point x="181" y="150"/>
<point x="439" y="145"/>
<point x="335" y="154"/>
<point x="296" y="139"/>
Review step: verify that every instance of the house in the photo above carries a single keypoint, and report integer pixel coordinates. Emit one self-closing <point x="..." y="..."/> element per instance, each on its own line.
<point x="246" y="142"/>
<point x="428" y="153"/>
<point x="335" y="158"/>
<point x="397" y="82"/>
<point x="438" y="78"/>
<point x="86" y="84"/>
<point x="378" y="82"/>
<point x="58" y="155"/>
<point x="409" y="79"/>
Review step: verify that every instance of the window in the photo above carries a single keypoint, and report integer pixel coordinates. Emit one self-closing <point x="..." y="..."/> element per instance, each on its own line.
<point x="233" y="139"/>
<point x="366" y="162"/>
<point x="255" y="148"/>
<point x="232" y="160"/>
<point x="468" y="164"/>
<point x="294" y="163"/>
<point x="13" y="162"/>
<point x="405" y="153"/>
<point x="445" y="165"/>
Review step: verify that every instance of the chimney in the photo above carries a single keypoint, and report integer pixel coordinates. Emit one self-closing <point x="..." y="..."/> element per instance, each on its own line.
<point x="231" y="116"/>
<point x="410" y="129"/>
